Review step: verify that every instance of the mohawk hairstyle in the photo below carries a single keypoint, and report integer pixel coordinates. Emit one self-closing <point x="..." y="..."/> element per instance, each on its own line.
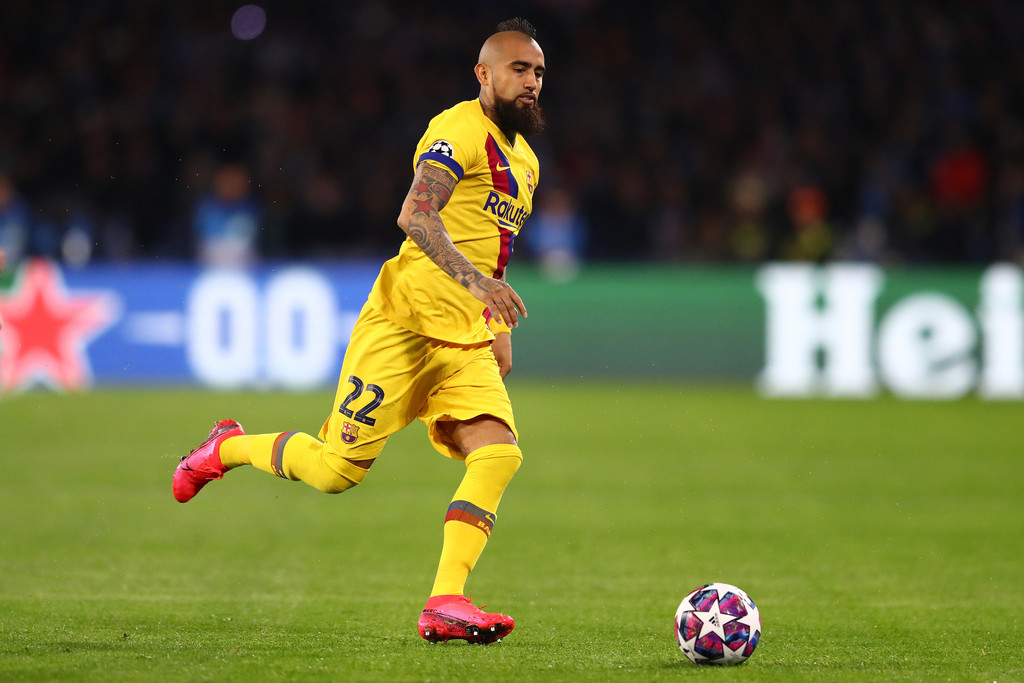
<point x="517" y="24"/>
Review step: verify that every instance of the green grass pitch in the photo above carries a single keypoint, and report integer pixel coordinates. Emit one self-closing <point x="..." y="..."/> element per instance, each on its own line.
<point x="882" y="540"/>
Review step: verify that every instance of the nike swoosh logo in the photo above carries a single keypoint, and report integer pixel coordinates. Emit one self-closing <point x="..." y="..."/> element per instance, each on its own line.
<point x="499" y="167"/>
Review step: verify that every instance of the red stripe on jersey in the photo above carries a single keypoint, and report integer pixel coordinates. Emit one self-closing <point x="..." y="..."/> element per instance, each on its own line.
<point x="504" y="252"/>
<point x="501" y="170"/>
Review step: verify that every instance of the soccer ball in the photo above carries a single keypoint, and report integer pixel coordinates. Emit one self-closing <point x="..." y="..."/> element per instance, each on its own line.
<point x="717" y="624"/>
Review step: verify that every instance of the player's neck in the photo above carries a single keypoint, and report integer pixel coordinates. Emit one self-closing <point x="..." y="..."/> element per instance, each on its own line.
<point x="489" y="111"/>
<point x="511" y="137"/>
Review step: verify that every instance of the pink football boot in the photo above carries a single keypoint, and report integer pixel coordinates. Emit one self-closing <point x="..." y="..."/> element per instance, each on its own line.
<point x="203" y="464"/>
<point x="448" y="617"/>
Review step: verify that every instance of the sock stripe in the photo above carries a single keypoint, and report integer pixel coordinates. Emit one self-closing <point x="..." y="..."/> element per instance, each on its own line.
<point x="464" y="511"/>
<point x="277" y="459"/>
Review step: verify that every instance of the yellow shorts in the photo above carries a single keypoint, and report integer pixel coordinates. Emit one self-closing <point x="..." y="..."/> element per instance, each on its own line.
<point x="391" y="376"/>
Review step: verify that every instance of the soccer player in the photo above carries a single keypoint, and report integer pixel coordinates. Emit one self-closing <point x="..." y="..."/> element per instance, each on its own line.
<point x="433" y="340"/>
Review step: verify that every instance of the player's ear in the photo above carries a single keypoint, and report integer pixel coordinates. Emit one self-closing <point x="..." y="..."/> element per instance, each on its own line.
<point x="483" y="74"/>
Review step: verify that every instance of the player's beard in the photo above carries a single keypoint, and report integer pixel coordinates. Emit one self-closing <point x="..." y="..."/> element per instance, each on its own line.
<point x="523" y="120"/>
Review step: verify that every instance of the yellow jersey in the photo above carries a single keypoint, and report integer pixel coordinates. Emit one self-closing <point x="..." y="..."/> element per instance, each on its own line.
<point x="490" y="203"/>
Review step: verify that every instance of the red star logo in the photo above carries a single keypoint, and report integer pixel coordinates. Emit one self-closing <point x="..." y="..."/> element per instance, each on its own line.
<point x="46" y="329"/>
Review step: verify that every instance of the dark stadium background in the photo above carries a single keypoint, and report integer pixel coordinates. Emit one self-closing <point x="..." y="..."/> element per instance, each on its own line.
<point x="753" y="215"/>
<point x="702" y="131"/>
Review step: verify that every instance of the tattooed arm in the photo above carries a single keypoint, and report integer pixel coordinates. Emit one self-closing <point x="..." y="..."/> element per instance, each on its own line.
<point x="420" y="219"/>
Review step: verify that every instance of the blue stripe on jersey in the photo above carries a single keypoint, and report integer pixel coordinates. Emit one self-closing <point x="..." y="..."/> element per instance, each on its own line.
<point x="445" y="161"/>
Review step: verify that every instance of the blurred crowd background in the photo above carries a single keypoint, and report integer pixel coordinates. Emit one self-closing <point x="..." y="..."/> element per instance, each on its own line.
<point x="678" y="131"/>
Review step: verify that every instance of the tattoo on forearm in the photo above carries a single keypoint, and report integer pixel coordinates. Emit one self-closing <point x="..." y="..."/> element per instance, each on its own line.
<point x="431" y="190"/>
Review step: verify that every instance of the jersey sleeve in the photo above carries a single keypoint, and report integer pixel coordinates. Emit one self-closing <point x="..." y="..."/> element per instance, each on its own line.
<point x="449" y="143"/>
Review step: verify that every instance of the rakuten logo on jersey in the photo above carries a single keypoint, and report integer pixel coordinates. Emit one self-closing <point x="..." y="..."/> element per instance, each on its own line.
<point x="509" y="213"/>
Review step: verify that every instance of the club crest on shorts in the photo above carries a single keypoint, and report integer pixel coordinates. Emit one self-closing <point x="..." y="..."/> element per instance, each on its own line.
<point x="349" y="432"/>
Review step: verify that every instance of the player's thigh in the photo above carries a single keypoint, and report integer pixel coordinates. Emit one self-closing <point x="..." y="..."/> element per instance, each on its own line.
<point x="379" y="388"/>
<point x="472" y="397"/>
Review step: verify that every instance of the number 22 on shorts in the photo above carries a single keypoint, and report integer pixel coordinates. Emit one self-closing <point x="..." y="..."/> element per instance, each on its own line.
<point x="363" y="414"/>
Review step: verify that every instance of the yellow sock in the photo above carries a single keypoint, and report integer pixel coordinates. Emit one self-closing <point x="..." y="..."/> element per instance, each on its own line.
<point x="289" y="455"/>
<point x="472" y="514"/>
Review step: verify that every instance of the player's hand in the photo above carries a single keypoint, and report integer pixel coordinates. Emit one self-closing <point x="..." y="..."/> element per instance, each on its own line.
<point x="501" y="300"/>
<point x="502" y="348"/>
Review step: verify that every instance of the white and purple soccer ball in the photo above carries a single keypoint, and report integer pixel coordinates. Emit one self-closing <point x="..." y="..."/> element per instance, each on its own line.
<point x="717" y="624"/>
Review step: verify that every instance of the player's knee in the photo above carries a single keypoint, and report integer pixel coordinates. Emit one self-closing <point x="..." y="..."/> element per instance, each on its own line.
<point x="333" y="481"/>
<point x="479" y="433"/>
<point x="336" y="483"/>
<point x="516" y="459"/>
<point x="336" y="473"/>
<point x="515" y="465"/>
<point x="502" y="460"/>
